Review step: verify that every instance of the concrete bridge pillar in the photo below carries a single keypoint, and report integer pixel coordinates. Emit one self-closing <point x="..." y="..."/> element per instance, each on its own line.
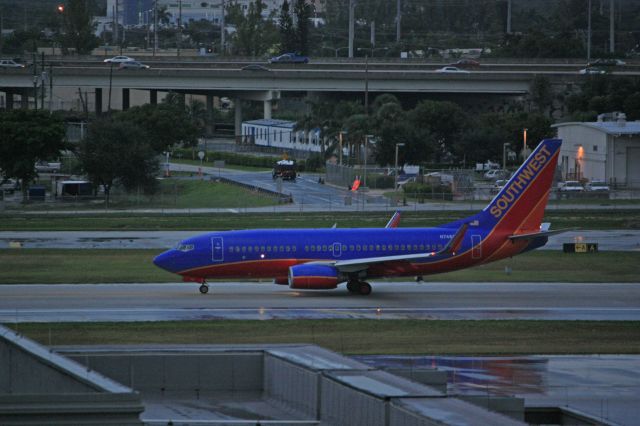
<point x="98" y="92"/>
<point x="24" y="99"/>
<point x="153" y="97"/>
<point x="267" y="109"/>
<point x="238" y="119"/>
<point x="9" y="100"/>
<point x="210" y="117"/>
<point x="125" y="99"/>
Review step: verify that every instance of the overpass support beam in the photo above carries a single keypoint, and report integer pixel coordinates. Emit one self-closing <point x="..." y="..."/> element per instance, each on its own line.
<point x="238" y="119"/>
<point x="125" y="99"/>
<point x="153" y="97"/>
<point x="9" y="100"/>
<point x="98" y="92"/>
<point x="210" y="116"/>
<point x="24" y="99"/>
<point x="267" y="110"/>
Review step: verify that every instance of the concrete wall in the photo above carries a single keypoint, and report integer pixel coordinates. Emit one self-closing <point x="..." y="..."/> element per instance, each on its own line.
<point x="343" y="405"/>
<point x="292" y="385"/>
<point x="225" y="371"/>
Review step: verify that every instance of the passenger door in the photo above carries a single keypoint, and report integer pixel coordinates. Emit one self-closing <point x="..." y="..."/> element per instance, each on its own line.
<point x="217" y="249"/>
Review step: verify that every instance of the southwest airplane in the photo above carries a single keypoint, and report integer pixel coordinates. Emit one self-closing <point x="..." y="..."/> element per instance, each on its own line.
<point x="316" y="259"/>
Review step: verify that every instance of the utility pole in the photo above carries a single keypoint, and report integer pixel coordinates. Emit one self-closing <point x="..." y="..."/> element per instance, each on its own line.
<point x="352" y="7"/>
<point x="509" y="17"/>
<point x="155" y="26"/>
<point x="179" y="26"/>
<point x="589" y="32"/>
<point x="612" y="45"/>
<point x="222" y="32"/>
<point x="115" y="25"/>
<point x="373" y="36"/>
<point x="398" y="18"/>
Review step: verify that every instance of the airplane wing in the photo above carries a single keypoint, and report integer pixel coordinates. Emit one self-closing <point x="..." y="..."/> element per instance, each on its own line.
<point x="394" y="221"/>
<point x="451" y="248"/>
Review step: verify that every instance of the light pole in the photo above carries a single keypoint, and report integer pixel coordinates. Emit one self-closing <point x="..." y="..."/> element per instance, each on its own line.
<point x="367" y="138"/>
<point x="504" y="155"/>
<point x="395" y="176"/>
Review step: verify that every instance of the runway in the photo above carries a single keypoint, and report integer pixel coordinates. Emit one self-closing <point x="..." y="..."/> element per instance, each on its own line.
<point x="263" y="301"/>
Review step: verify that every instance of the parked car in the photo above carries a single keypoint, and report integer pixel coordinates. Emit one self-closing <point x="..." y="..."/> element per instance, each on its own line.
<point x="255" y="67"/>
<point x="570" y="186"/>
<point x="466" y="63"/>
<point x="118" y="59"/>
<point x="498" y="185"/>
<point x="450" y="69"/>
<point x="133" y="65"/>
<point x="10" y="63"/>
<point x="289" y="58"/>
<point x="592" y="70"/>
<point x="9" y="185"/>
<point x="606" y="63"/>
<point x="495" y="174"/>
<point x="47" y="167"/>
<point x="597" y="186"/>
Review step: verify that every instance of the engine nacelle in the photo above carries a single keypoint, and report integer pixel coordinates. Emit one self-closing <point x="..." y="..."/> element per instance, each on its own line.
<point x="313" y="277"/>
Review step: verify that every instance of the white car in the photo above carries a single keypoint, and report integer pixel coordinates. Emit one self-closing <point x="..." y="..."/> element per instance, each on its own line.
<point x="597" y="185"/>
<point x="450" y="69"/>
<point x="9" y="63"/>
<point x="133" y="65"/>
<point x="118" y="60"/>
<point x="9" y="185"/>
<point x="570" y="186"/>
<point x="592" y="70"/>
<point x="494" y="174"/>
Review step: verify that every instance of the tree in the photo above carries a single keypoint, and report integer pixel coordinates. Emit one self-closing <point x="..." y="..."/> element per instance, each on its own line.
<point x="26" y="137"/>
<point x="253" y="35"/>
<point x="79" y="27"/>
<point x="285" y="26"/>
<point x="118" y="151"/>
<point x="445" y="122"/>
<point x="302" y="12"/>
<point x="166" y="124"/>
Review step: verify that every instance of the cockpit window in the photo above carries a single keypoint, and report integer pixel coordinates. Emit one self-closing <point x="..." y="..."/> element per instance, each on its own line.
<point x="185" y="247"/>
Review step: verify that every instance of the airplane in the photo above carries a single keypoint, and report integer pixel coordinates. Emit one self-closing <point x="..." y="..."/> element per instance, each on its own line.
<point x="321" y="259"/>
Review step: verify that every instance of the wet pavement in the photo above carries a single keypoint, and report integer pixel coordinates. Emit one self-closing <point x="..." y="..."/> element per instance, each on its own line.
<point x="263" y="301"/>
<point x="613" y="240"/>
<point x="606" y="387"/>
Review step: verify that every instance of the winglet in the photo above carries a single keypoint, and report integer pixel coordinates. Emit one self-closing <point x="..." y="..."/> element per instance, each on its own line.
<point x="394" y="221"/>
<point x="454" y="243"/>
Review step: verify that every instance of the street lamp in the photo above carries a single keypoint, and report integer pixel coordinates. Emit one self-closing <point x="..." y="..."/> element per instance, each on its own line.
<point x="367" y="138"/>
<point x="395" y="178"/>
<point x="504" y="155"/>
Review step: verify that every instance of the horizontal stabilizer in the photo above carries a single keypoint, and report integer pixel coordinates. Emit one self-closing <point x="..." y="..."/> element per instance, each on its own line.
<point x="539" y="234"/>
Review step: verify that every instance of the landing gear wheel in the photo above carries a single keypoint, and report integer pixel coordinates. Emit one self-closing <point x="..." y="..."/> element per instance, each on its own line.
<point x="364" y="289"/>
<point x="204" y="289"/>
<point x="353" y="286"/>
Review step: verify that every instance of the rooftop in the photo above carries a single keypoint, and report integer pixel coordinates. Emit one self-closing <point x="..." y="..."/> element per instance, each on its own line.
<point x="608" y="127"/>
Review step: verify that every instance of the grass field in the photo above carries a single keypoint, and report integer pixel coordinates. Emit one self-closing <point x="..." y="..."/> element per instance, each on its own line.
<point x="27" y="266"/>
<point x="583" y="219"/>
<point x="356" y="337"/>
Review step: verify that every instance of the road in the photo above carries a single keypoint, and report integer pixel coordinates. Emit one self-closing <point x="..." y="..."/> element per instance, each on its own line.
<point x="397" y="300"/>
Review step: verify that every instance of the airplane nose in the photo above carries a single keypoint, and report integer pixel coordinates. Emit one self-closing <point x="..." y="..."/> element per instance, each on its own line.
<point x="165" y="261"/>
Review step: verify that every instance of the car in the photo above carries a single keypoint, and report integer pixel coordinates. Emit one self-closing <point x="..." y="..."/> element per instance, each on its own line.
<point x="606" y="63"/>
<point x="9" y="185"/>
<point x="10" y="63"/>
<point x="466" y="63"/>
<point x="289" y="58"/>
<point x="118" y="59"/>
<point x="495" y="174"/>
<point x="597" y="186"/>
<point x="498" y="185"/>
<point x="48" y="166"/>
<point x="132" y="65"/>
<point x="592" y="70"/>
<point x="450" y="69"/>
<point x="255" y="67"/>
<point x="570" y="186"/>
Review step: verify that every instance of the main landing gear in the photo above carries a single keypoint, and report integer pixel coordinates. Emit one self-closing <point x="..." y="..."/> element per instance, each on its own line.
<point x="360" y="287"/>
<point x="204" y="287"/>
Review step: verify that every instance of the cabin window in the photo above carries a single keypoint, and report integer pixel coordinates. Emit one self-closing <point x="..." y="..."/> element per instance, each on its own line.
<point x="344" y="247"/>
<point x="390" y="247"/>
<point x="230" y="249"/>
<point x="281" y="249"/>
<point x="244" y="249"/>
<point x="250" y="249"/>
<point x="403" y="247"/>
<point x="377" y="247"/>
<point x="383" y="247"/>
<point x="364" y="247"/>
<point x="357" y="247"/>
<point x="415" y="247"/>
<point x="351" y="248"/>
<point x="397" y="247"/>
<point x="256" y="249"/>
<point x="293" y="248"/>
<point x="268" y="249"/>
<point x="324" y="248"/>
<point x="422" y="247"/>
<point x="306" y="248"/>
<point x="262" y="249"/>
<point x="313" y="248"/>
<point x="318" y="247"/>
<point x="288" y="249"/>
<point x="370" y="247"/>
<point x="275" y="249"/>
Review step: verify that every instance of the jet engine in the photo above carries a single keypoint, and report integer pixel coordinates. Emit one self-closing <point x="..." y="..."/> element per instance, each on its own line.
<point x="313" y="277"/>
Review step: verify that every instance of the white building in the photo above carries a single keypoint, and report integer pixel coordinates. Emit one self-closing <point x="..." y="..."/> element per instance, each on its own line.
<point x="280" y="134"/>
<point x="602" y="150"/>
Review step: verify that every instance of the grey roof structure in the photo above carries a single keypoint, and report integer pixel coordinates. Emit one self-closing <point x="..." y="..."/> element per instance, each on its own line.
<point x="609" y="127"/>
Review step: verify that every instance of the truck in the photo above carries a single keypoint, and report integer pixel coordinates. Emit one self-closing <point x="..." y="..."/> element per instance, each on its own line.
<point x="285" y="169"/>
